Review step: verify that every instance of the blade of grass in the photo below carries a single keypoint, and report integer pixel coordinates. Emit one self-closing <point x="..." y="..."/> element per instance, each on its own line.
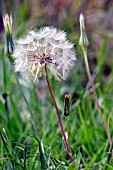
<point x="90" y="164"/>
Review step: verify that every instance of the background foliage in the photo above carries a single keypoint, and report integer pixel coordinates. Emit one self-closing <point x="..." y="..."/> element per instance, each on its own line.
<point x="86" y="135"/>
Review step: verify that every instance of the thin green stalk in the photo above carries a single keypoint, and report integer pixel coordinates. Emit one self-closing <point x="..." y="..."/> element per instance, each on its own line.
<point x="58" y="115"/>
<point x="30" y="111"/>
<point x="4" y="95"/>
<point x="95" y="95"/>
<point x="4" y="73"/>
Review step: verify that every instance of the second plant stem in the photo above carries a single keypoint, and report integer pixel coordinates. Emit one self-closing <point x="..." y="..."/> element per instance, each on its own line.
<point x="59" y="118"/>
<point x="95" y="96"/>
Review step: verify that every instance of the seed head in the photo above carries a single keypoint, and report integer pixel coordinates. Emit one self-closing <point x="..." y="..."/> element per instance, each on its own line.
<point x="47" y="47"/>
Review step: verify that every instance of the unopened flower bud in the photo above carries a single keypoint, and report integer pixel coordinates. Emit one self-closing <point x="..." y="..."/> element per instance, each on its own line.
<point x="83" y="41"/>
<point x="66" y="104"/>
<point x="8" y="21"/>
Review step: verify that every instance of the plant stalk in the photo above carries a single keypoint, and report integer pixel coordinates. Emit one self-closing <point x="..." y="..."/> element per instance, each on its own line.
<point x="58" y="115"/>
<point x="95" y="96"/>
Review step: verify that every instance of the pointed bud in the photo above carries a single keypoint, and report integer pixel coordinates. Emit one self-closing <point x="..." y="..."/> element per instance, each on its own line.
<point x="66" y="104"/>
<point x="83" y="41"/>
<point x="8" y="21"/>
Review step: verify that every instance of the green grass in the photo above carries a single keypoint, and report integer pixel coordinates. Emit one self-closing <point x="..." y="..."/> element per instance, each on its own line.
<point x="86" y="135"/>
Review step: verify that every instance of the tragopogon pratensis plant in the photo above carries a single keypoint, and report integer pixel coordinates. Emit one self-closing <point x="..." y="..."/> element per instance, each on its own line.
<point x="38" y="52"/>
<point x="83" y="42"/>
<point x="8" y="21"/>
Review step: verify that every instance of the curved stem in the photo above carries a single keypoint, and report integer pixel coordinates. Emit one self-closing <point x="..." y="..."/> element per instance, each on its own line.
<point x="30" y="111"/>
<point x="95" y="95"/>
<point x="58" y="115"/>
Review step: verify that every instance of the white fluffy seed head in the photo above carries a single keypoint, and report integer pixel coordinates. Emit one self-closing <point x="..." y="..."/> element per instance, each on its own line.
<point x="47" y="47"/>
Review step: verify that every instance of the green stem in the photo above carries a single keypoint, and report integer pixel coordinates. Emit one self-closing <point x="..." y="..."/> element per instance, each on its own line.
<point x="30" y="111"/>
<point x="95" y="95"/>
<point x="59" y="118"/>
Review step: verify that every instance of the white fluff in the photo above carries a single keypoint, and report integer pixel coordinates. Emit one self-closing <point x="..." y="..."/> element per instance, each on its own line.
<point x="46" y="46"/>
